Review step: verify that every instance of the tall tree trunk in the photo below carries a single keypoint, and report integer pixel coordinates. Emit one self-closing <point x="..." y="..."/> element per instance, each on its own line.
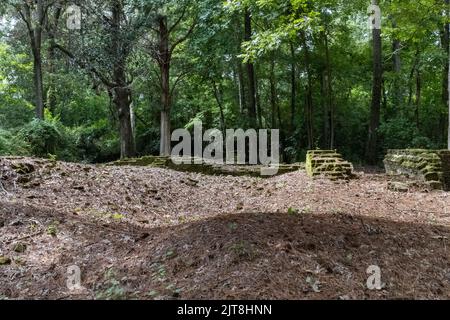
<point x="273" y="94"/>
<point x="330" y="98"/>
<point x="259" y="108"/>
<point x="121" y="91"/>
<point x="372" y="142"/>
<point x="51" y="30"/>
<point x="122" y="102"/>
<point x="164" y="64"/>
<point x="418" y="98"/>
<point x="447" y="27"/>
<point x="396" y="66"/>
<point x="309" y="98"/>
<point x="250" y="72"/>
<point x="218" y="95"/>
<point x="293" y="88"/>
<point x="239" y="68"/>
<point x="34" y="23"/>
<point x="38" y="84"/>
<point x="445" y="33"/>
<point x="241" y="88"/>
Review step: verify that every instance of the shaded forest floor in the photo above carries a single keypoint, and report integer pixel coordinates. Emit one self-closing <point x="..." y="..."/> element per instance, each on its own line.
<point x="151" y="233"/>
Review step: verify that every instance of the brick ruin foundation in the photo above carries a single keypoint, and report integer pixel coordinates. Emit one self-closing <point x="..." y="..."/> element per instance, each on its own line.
<point x="431" y="167"/>
<point x="205" y="168"/>
<point x="329" y="164"/>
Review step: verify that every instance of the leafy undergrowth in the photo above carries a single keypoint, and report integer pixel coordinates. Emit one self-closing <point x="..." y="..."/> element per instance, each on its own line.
<point x="147" y="233"/>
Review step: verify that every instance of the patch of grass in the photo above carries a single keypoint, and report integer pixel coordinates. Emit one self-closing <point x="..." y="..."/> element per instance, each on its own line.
<point x="117" y="216"/>
<point x="232" y="226"/>
<point x="170" y="254"/>
<point x="159" y="273"/>
<point x="243" y="250"/>
<point x="296" y="212"/>
<point x="293" y="212"/>
<point x="52" y="230"/>
<point x="113" y="290"/>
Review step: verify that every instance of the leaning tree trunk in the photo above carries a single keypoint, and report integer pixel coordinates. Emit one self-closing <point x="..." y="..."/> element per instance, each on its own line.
<point x="371" y="148"/>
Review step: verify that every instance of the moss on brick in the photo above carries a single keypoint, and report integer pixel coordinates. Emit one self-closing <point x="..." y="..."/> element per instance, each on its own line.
<point x="188" y="164"/>
<point x="429" y="166"/>
<point x="328" y="163"/>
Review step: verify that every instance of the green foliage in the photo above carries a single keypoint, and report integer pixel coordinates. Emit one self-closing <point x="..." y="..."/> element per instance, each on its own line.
<point x="112" y="290"/>
<point x="399" y="133"/>
<point x="15" y="110"/>
<point x="12" y="144"/>
<point x="294" y="45"/>
<point x="95" y="143"/>
<point x="43" y="137"/>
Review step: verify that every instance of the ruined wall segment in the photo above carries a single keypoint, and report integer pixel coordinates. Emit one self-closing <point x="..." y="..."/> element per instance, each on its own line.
<point x="431" y="167"/>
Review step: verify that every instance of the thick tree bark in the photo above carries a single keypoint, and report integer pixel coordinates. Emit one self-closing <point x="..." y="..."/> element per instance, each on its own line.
<point x="250" y="72"/>
<point x="121" y="91"/>
<point x="51" y="29"/>
<point x="164" y="65"/>
<point x="122" y="102"/>
<point x="38" y="83"/>
<point x="372" y="142"/>
<point x="34" y="22"/>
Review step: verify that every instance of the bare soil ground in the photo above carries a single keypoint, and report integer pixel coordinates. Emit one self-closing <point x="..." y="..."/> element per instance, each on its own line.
<point x="150" y="233"/>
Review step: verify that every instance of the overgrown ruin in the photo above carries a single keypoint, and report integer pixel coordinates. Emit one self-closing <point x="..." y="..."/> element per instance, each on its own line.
<point x="328" y="163"/>
<point x="431" y="167"/>
<point x="205" y="167"/>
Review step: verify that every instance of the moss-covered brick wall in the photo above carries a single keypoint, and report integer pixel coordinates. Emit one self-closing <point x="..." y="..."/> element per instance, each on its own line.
<point x="328" y="163"/>
<point x="205" y="168"/>
<point x="429" y="166"/>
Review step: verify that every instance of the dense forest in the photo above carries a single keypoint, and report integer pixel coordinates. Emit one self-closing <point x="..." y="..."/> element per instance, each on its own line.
<point x="94" y="205"/>
<point x="92" y="80"/>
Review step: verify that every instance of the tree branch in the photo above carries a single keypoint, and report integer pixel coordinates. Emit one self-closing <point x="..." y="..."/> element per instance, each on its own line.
<point x="184" y="38"/>
<point x="178" y="21"/>
<point x="85" y="66"/>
